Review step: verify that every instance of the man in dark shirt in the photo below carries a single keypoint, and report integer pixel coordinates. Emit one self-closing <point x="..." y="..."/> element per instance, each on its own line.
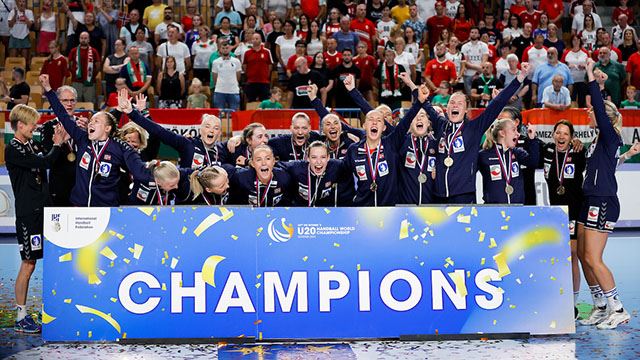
<point x="18" y="93"/>
<point x="482" y="87"/>
<point x="340" y="93"/>
<point x="298" y="83"/>
<point x="519" y="44"/>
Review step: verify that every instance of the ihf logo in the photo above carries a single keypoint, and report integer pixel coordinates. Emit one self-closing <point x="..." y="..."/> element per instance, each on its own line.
<point x="55" y="219"/>
<point x="278" y="235"/>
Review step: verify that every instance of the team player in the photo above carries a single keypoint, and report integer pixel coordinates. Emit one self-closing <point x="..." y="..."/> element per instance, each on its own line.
<point x="500" y="163"/>
<point x="563" y="168"/>
<point x="210" y="185"/>
<point x="459" y="139"/>
<point x="101" y="154"/>
<point x="240" y="149"/>
<point x="170" y="186"/>
<point x="194" y="152"/>
<point x="261" y="185"/>
<point x="294" y="146"/>
<point x="374" y="160"/>
<point x="27" y="166"/>
<point x="600" y="209"/>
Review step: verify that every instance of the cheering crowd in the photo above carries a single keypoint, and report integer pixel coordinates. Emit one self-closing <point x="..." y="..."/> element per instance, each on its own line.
<point x="430" y="156"/>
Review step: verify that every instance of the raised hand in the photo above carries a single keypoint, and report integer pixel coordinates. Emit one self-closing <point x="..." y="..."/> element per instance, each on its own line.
<point x="141" y="102"/>
<point x="44" y="82"/>
<point x="349" y="82"/>
<point x="423" y="93"/>
<point x="124" y="104"/>
<point x="531" y="131"/>
<point x="60" y="136"/>
<point x="312" y="91"/>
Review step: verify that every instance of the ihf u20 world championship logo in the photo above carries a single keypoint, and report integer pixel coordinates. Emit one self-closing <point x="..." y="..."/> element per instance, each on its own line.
<point x="278" y="235"/>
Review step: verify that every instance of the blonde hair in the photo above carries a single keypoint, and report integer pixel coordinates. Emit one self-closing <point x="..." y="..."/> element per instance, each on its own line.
<point x="614" y="115"/>
<point x="164" y="170"/>
<point x="491" y="136"/>
<point x="24" y="114"/>
<point x="130" y="128"/>
<point x="317" y="144"/>
<point x="195" y="82"/>
<point x="263" y="147"/>
<point x="201" y="178"/>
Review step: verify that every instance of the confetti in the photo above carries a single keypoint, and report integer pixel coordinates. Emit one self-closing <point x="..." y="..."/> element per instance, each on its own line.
<point x="257" y="322"/>
<point x="209" y="269"/>
<point x="492" y="243"/>
<point x="482" y="261"/>
<point x="464" y="219"/>
<point x="102" y="272"/>
<point x="474" y="211"/>
<point x="258" y="276"/>
<point x="521" y="257"/>
<point x="327" y="211"/>
<point x="358" y="267"/>
<point x="100" y="314"/>
<point x="113" y="299"/>
<point x="450" y="210"/>
<point x="90" y="334"/>
<point x="234" y="237"/>
<point x="404" y="229"/>
<point x="212" y="219"/>
<point x="46" y="318"/>
<point x="305" y="258"/>
<point x="481" y="235"/>
<point x="331" y="267"/>
<point x="147" y="210"/>
<point x="184" y="230"/>
<point x="495" y="322"/>
<point x="422" y="263"/>
<point x="512" y="306"/>
<point x="174" y="262"/>
<point x="553" y="324"/>
<point x="108" y="253"/>
<point x="94" y="279"/>
<point x="507" y="218"/>
<point x="467" y="229"/>
<point x="561" y="291"/>
<point x="137" y="251"/>
<point x="166" y="255"/>
<point x="532" y="214"/>
<point x="120" y="236"/>
<point x="126" y="260"/>
<point x="503" y="213"/>
<point x="140" y="290"/>
<point x="66" y="257"/>
<point x="415" y="237"/>
<point x="518" y="281"/>
<point x="164" y="287"/>
<point x="154" y="218"/>
<point x="336" y="244"/>
<point x="552" y="278"/>
<point x="258" y="285"/>
<point x="503" y="267"/>
<point x="504" y="227"/>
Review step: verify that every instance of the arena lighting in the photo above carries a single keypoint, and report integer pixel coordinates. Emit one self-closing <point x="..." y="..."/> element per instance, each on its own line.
<point x="332" y="286"/>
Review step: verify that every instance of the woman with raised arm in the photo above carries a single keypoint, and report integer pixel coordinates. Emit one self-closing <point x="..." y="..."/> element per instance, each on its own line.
<point x="601" y="209"/>
<point x="100" y="155"/>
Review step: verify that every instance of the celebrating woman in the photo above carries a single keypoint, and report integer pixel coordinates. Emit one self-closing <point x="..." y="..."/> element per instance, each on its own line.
<point x="170" y="186"/>
<point x="210" y="185"/>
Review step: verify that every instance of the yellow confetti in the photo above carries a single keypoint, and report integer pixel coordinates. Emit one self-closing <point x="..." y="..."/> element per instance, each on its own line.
<point x="404" y="229"/>
<point x="331" y="267"/>
<point x="46" y="318"/>
<point x="512" y="306"/>
<point x="449" y="261"/>
<point x="552" y="278"/>
<point x="507" y="218"/>
<point x="234" y="237"/>
<point x="450" y="210"/>
<point x="166" y="255"/>
<point x="209" y="269"/>
<point x="464" y="219"/>
<point x="481" y="235"/>
<point x="126" y="260"/>
<point x="259" y="231"/>
<point x="482" y="261"/>
<point x="561" y="291"/>
<point x="154" y="218"/>
<point x="137" y="251"/>
<point x="66" y="257"/>
<point x="102" y="272"/>
<point x="503" y="267"/>
<point x="415" y="237"/>
<point x="503" y="213"/>
<point x="147" y="210"/>
<point x="140" y="290"/>
<point x="305" y="258"/>
<point x="100" y="314"/>
<point x="381" y="224"/>
<point x="458" y="280"/>
<point x="467" y="229"/>
<point x="260" y="335"/>
<point x="474" y="211"/>
<point x="164" y="287"/>
<point x="327" y="211"/>
<point x="212" y="219"/>
<point x="531" y="213"/>
<point x="518" y="281"/>
<point x="113" y="299"/>
<point x="504" y="227"/>
<point x="108" y="253"/>
<point x="336" y="244"/>
<point x="90" y="334"/>
<point x="163" y="260"/>
<point x="358" y="267"/>
<point x="258" y="276"/>
<point x="258" y="285"/>
<point x="112" y="233"/>
<point x="53" y="291"/>
<point x="495" y="322"/>
<point x="553" y="324"/>
<point x="94" y="279"/>
<point x="174" y="262"/>
<point x="421" y="263"/>
<point x="124" y="335"/>
<point x="492" y="243"/>
<point x="431" y="232"/>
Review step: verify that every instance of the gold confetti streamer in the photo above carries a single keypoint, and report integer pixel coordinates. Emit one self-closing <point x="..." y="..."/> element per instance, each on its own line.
<point x="102" y="272"/>
<point x="552" y="278"/>
<point x="336" y="244"/>
<point x="166" y="255"/>
<point x="553" y="324"/>
<point x="464" y="219"/>
<point x="327" y="211"/>
<point x="234" y="237"/>
<point x="492" y="243"/>
<point x="512" y="306"/>
<point x="120" y="236"/>
<point x="482" y="261"/>
<point x="503" y="267"/>
<point x="174" y="262"/>
<point x="474" y="211"/>
<point x="404" y="229"/>
<point x="46" y="318"/>
<point x="154" y="218"/>
<point x="450" y="210"/>
<point x="94" y="279"/>
<point x="518" y="281"/>
<point x="147" y="210"/>
<point x="258" y="285"/>
<point x="113" y="299"/>
<point x="467" y="229"/>
<point x="100" y="314"/>
<point x="504" y="227"/>
<point x="212" y="219"/>
<point x="137" y="251"/>
<point x="481" y="235"/>
<point x="66" y="257"/>
<point x="305" y="258"/>
<point x="209" y="269"/>
<point x="503" y="213"/>
<point x="184" y="230"/>
<point x="458" y="280"/>
<point x="126" y="260"/>
<point x="108" y="253"/>
<point x="495" y="322"/>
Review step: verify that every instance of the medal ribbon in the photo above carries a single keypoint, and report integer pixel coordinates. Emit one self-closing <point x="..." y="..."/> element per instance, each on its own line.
<point x="502" y="161"/>
<point x="295" y="154"/>
<point x="159" y="195"/>
<point x="560" y="172"/>
<point x="312" y="200"/>
<point x="415" y="151"/>
<point x="98" y="156"/>
<point x="454" y="136"/>
<point x="374" y="170"/>
<point x="263" y="198"/>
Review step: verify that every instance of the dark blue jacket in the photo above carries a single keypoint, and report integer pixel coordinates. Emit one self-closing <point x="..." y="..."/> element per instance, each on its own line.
<point x="409" y="162"/>
<point x="388" y="167"/>
<point x="192" y="151"/>
<point x="365" y="107"/>
<point x="285" y="150"/>
<point x="454" y="180"/>
<point x="148" y="193"/>
<point x="603" y="153"/>
<point x="325" y="192"/>
<point x="572" y="178"/>
<point x="244" y="186"/>
<point x="213" y="199"/>
<point x="98" y="187"/>
<point x="493" y="177"/>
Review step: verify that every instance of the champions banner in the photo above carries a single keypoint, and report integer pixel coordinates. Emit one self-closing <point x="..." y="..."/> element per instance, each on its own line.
<point x="304" y="273"/>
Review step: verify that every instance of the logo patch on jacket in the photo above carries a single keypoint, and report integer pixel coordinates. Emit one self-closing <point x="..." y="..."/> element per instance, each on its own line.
<point x="383" y="168"/>
<point x="362" y="172"/>
<point x="105" y="169"/>
<point x="36" y="242"/>
<point x="142" y="194"/>
<point x="198" y="160"/>
<point x="515" y="169"/>
<point x="569" y="171"/>
<point x="458" y="145"/>
<point x="85" y="160"/>
<point x="496" y="172"/>
<point x="410" y="160"/>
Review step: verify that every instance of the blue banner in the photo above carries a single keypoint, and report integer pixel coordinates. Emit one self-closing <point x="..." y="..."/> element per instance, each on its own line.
<point x="305" y="273"/>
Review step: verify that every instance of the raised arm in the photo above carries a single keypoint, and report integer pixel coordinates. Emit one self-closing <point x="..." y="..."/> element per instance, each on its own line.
<point x="65" y="119"/>
<point x="137" y="168"/>
<point x="605" y="126"/>
<point x="399" y="132"/>
<point x="28" y="160"/>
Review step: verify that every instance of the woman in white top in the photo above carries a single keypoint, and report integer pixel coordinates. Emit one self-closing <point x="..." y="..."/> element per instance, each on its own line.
<point x="20" y="21"/>
<point x="416" y="50"/>
<point x="514" y="30"/>
<point x="316" y="42"/>
<point x="407" y="61"/>
<point x="455" y="56"/>
<point x="48" y="28"/>
<point x="107" y="18"/>
<point x="588" y="34"/>
<point x="576" y="59"/>
<point x="285" y="47"/>
<point x="201" y="51"/>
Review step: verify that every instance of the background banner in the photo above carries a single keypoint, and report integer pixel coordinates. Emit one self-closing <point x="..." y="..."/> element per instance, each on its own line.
<point x="304" y="273"/>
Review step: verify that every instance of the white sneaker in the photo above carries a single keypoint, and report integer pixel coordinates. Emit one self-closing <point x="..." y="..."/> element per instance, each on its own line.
<point x="597" y="316"/>
<point x="614" y="319"/>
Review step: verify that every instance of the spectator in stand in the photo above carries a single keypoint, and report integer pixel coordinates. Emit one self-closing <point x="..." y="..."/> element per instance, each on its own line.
<point x="630" y="102"/>
<point x="229" y="13"/>
<point x="518" y="8"/>
<point x="316" y="42"/>
<point x="177" y="49"/>
<point x="623" y="9"/>
<point x="112" y="66"/>
<point x="475" y="54"/>
<point x="483" y="86"/>
<point x="507" y="77"/>
<point x="455" y="56"/>
<point x="400" y="12"/>
<point x="320" y="67"/>
<point x="244" y="45"/>
<point x="226" y="72"/>
<point x="588" y="33"/>
<point x="578" y="19"/>
<point x="187" y="18"/>
<point x="519" y="44"/>
<point x="273" y="36"/>
<point x="375" y="9"/>
<point x="452" y="8"/>
<point x="257" y="65"/>
<point x="302" y="28"/>
<point x="77" y="9"/>
<point x="514" y="29"/>
<point x="364" y="28"/>
<point x="340" y="93"/>
<point x="633" y="68"/>
<point x="543" y="26"/>
<point x="576" y="59"/>
<point x="617" y="76"/>
<point x="504" y="20"/>
<point x="136" y="73"/>
<point x="554" y="10"/>
<point x="628" y="46"/>
<point x="615" y="53"/>
<point x="47" y="26"/>
<point x="436" y="24"/>
<point x="414" y="47"/>
<point x="407" y="61"/>
<point x="440" y="69"/>
<point x="20" y="21"/>
<point x="502" y="64"/>
<point x="201" y="51"/>
<point x="544" y="74"/>
<point x="273" y="102"/>
<point x="367" y="65"/>
<point x="462" y="24"/>
<point x="493" y="53"/>
<point x="315" y="10"/>
<point x="414" y="22"/>
<point x="193" y="34"/>
<point x="196" y="99"/>
<point x="160" y="34"/>
<point x="280" y="8"/>
<point x="250" y="22"/>
<point x="298" y="85"/>
<point x="301" y="52"/>
<point x="4" y="21"/>
<point x="476" y="10"/>
<point x="128" y="30"/>
<point x="443" y="94"/>
<point x="556" y="96"/>
<point x="170" y="85"/>
<point x="601" y="79"/>
<point x="535" y="54"/>
<point x="153" y="16"/>
<point x="617" y="33"/>
<point x="530" y="15"/>
<point x="332" y="25"/>
<point x="389" y="84"/>
<point x="346" y="38"/>
<point x="56" y="66"/>
<point x="97" y="39"/>
<point x="107" y="18"/>
<point x="285" y="48"/>
<point x="19" y="91"/>
<point x="385" y="24"/>
<point x="145" y="49"/>
<point x="240" y="6"/>
<point x="552" y="39"/>
<point x="332" y="57"/>
<point x="214" y="56"/>
<point x="85" y="63"/>
<point x="495" y="35"/>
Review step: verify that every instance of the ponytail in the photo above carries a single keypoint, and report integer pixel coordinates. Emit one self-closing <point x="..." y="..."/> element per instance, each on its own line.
<point x="163" y="170"/>
<point x="491" y="136"/>
<point x="202" y="178"/>
<point x="614" y="115"/>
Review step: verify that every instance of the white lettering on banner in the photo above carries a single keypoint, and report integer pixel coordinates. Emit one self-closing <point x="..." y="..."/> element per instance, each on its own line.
<point x="364" y="291"/>
<point x="439" y="283"/>
<point x="235" y="284"/>
<point x="482" y="282"/>
<point x="414" y="296"/>
<point x="297" y="286"/>
<point x="124" y="292"/>
<point x="198" y="292"/>
<point x="325" y="278"/>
